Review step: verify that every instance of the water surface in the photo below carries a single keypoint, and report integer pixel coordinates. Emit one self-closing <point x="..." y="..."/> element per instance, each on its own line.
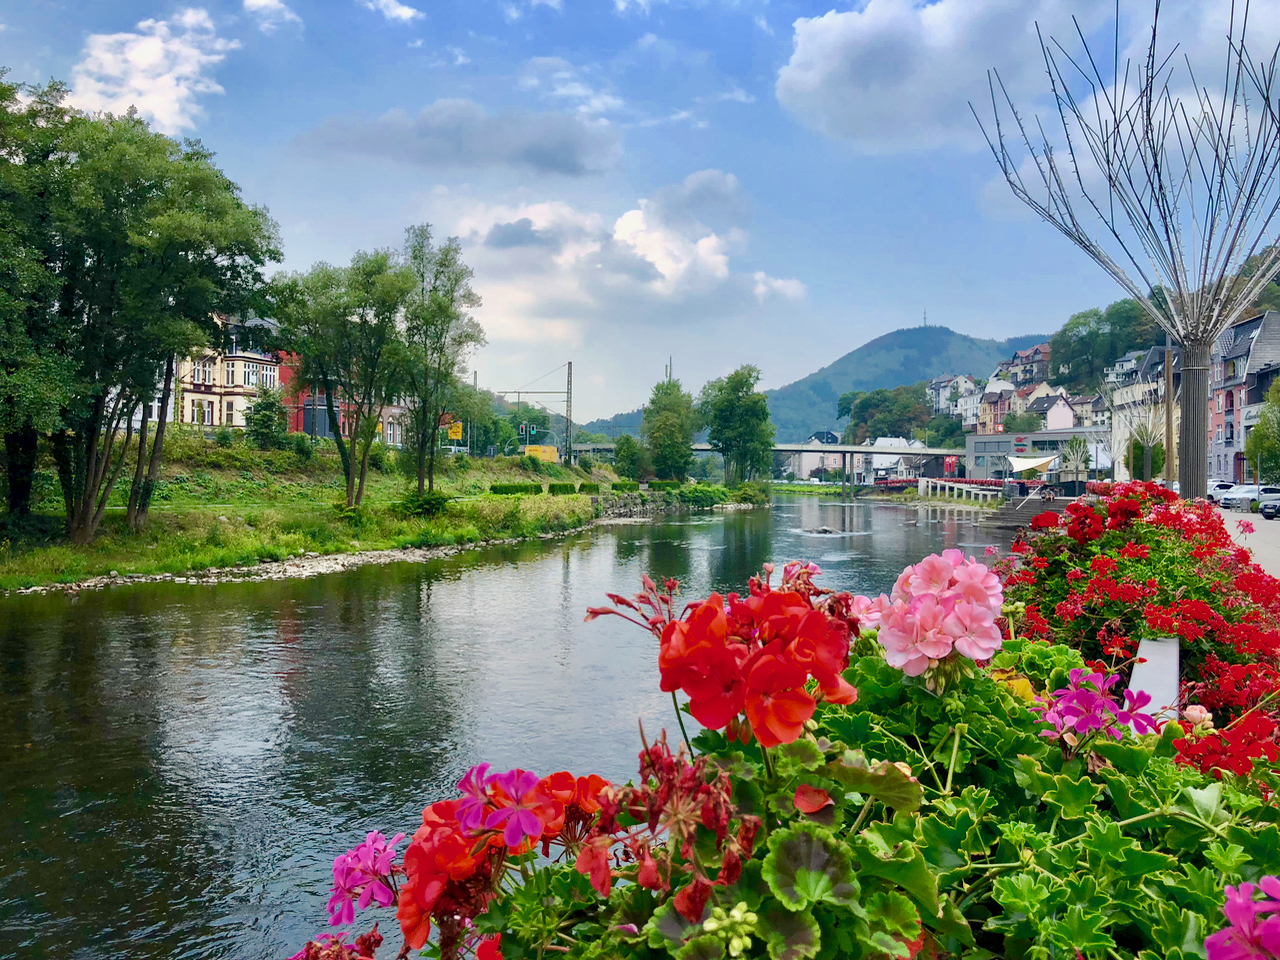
<point x="180" y="763"/>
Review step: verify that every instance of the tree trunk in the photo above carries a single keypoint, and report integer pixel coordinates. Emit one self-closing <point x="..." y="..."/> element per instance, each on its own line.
<point x="1146" y="462"/>
<point x="64" y="457"/>
<point x="422" y="463"/>
<point x="431" y="454"/>
<point x="1193" y="432"/>
<point x="139" y="473"/>
<point x="157" y="449"/>
<point x="21" y="448"/>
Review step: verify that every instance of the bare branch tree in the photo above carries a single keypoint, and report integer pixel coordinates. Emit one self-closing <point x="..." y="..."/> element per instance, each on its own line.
<point x="1168" y="191"/>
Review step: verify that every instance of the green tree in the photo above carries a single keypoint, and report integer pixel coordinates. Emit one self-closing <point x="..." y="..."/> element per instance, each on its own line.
<point x="153" y="241"/>
<point x="740" y="429"/>
<point x="942" y="431"/>
<point x="626" y="457"/>
<point x="668" y="424"/>
<point x="1263" y="441"/>
<point x="1023" y="423"/>
<point x="344" y="324"/>
<point x="1137" y="462"/>
<point x="36" y="374"/>
<point x="439" y="334"/>
<point x="884" y="413"/>
<point x="266" y="422"/>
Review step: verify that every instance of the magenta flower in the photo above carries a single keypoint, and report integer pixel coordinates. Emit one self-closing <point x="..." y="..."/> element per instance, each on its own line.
<point x="1248" y="937"/>
<point x="1244" y="526"/>
<point x="518" y="821"/>
<point x="1084" y="708"/>
<point x="474" y="787"/>
<point x="361" y="876"/>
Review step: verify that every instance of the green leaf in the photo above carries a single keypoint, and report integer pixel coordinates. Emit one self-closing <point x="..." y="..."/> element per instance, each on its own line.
<point x="893" y="913"/>
<point x="667" y="929"/>
<point x="880" y="854"/>
<point x="1072" y="798"/>
<point x="1031" y="776"/>
<point x="882" y="944"/>
<point x="1204" y="803"/>
<point x="807" y="865"/>
<point x="1178" y="929"/>
<point x="1021" y="893"/>
<point x="1226" y="857"/>
<point x="705" y="947"/>
<point x="1142" y="863"/>
<point x="1129" y="756"/>
<point x="1082" y="932"/>
<point x="883" y="781"/>
<point x="791" y="936"/>
<point x="1104" y="838"/>
<point x="798" y="756"/>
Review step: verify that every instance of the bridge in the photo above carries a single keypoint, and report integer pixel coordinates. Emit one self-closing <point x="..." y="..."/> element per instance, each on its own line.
<point x="846" y="448"/>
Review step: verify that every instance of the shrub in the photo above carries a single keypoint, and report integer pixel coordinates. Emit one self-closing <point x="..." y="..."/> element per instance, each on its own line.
<point x="753" y="491"/>
<point x="430" y="503"/>
<point x="266" y="422"/>
<point x="586" y="462"/>
<point x="380" y="456"/>
<point x="461" y="462"/>
<point x="625" y="486"/>
<point x="589" y="488"/>
<point x="513" y="488"/>
<point x="664" y="484"/>
<point x="561" y="489"/>
<point x="530" y="464"/>
<point x="302" y="446"/>
<point x="704" y="496"/>
<point x="223" y="437"/>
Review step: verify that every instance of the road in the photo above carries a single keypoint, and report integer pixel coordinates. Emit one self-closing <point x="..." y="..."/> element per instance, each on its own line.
<point x="1264" y="541"/>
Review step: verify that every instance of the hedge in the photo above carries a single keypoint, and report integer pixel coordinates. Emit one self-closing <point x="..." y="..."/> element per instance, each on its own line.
<point x="589" y="488"/>
<point x="664" y="484"/>
<point x="560" y="489"/>
<point x="626" y="486"/>
<point x="508" y="488"/>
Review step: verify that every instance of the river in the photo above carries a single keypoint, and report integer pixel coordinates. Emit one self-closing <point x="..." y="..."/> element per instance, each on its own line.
<point x="179" y="764"/>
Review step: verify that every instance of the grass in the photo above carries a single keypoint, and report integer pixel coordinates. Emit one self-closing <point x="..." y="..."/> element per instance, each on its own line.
<point x="223" y="507"/>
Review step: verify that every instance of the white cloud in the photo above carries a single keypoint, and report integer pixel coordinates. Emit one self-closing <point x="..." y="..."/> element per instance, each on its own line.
<point x="460" y="57"/>
<point x="161" y="69"/>
<point x="271" y="14"/>
<point x="558" y="79"/>
<point x="894" y="75"/>
<point x="511" y="13"/>
<point x="393" y="10"/>
<point x="766" y="286"/>
<point x="415" y="44"/>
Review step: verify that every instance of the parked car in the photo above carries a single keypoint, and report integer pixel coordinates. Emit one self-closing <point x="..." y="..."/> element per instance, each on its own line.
<point x="1269" y="507"/>
<point x="1245" y="496"/>
<point x="1217" y="488"/>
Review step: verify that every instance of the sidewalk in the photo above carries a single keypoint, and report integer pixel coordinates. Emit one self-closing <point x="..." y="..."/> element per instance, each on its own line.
<point x="1264" y="541"/>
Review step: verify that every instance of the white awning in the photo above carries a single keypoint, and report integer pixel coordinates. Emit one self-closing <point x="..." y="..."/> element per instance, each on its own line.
<point x="1019" y="464"/>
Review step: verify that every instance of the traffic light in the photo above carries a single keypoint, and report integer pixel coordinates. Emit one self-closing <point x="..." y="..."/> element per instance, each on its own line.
<point x="533" y="430"/>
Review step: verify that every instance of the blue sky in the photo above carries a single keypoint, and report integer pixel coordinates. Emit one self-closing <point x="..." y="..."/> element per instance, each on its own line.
<point x="726" y="181"/>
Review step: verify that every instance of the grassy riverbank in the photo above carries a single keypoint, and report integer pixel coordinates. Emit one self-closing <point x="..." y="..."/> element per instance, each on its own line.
<point x="235" y="506"/>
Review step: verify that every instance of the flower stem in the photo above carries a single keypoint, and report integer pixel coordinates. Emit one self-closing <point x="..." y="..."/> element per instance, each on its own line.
<point x="680" y="720"/>
<point x="862" y="815"/>
<point x="961" y="730"/>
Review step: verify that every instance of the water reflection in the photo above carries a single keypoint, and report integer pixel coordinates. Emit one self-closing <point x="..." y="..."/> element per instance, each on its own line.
<point x="180" y="763"/>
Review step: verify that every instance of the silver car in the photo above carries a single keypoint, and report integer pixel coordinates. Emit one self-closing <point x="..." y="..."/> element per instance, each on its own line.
<point x="1245" y="496"/>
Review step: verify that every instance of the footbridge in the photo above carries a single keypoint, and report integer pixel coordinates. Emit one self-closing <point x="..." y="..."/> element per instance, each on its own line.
<point x="845" y="448"/>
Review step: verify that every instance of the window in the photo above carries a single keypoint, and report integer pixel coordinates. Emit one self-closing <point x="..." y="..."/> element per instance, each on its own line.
<point x="1219" y="403"/>
<point x="202" y="411"/>
<point x="231" y="413"/>
<point x="230" y="378"/>
<point x="1219" y="435"/>
<point x="269" y="376"/>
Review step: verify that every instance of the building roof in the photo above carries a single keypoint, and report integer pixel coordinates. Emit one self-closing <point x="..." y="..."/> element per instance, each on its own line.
<point x="1046" y="403"/>
<point x="1027" y="354"/>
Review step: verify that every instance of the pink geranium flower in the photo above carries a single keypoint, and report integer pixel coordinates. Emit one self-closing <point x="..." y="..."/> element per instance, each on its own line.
<point x="931" y="575"/>
<point x="1251" y="935"/>
<point x="360" y="878"/>
<point x="972" y="627"/>
<point x="912" y="636"/>
<point x="977" y="583"/>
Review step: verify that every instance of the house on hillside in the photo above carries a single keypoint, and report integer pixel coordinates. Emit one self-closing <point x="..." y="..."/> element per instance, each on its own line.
<point x="967" y="409"/>
<point x="946" y="392"/>
<point x="1026" y="366"/>
<point x="1090" y="410"/>
<point x="1244" y="363"/>
<point x="1055" y="412"/>
<point x="998" y="401"/>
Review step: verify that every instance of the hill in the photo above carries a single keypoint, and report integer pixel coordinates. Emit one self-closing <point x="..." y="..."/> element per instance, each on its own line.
<point x="901" y="357"/>
<point x="619" y="423"/>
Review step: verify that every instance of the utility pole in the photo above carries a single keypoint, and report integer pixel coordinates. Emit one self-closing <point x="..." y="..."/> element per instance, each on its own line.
<point x="1168" y="411"/>
<point x="568" y="415"/>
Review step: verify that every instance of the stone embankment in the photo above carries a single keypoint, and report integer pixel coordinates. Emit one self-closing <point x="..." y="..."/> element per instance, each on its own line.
<point x="309" y="564"/>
